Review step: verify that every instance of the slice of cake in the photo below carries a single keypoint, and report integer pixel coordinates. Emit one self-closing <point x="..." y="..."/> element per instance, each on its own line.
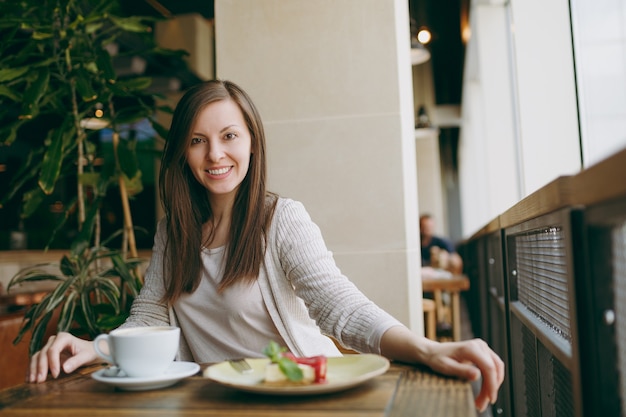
<point x="287" y="369"/>
<point x="275" y="376"/>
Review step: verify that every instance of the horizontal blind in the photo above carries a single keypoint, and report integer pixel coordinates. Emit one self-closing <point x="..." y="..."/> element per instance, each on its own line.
<point x="542" y="277"/>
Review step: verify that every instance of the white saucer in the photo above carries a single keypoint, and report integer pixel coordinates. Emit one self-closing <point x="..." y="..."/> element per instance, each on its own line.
<point x="173" y="374"/>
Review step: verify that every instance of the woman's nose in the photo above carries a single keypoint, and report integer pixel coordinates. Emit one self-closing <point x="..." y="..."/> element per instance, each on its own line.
<point x="215" y="152"/>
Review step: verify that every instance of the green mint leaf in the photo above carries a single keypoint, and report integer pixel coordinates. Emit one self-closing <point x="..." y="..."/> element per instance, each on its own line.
<point x="273" y="351"/>
<point x="291" y="369"/>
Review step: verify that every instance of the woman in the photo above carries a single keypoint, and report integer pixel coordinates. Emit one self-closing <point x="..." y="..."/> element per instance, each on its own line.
<point x="232" y="259"/>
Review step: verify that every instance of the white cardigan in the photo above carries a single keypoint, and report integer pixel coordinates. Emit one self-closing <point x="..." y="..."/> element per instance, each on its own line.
<point x="302" y="287"/>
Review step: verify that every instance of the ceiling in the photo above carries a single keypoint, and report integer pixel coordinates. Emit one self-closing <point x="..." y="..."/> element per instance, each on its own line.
<point x="443" y="18"/>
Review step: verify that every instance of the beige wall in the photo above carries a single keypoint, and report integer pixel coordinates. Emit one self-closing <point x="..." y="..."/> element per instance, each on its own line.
<point x="332" y="79"/>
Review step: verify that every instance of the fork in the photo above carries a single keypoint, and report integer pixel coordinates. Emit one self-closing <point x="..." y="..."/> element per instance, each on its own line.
<point x="241" y="366"/>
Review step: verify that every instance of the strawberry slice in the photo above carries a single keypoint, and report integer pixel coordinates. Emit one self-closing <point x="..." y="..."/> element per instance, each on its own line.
<point x="318" y="363"/>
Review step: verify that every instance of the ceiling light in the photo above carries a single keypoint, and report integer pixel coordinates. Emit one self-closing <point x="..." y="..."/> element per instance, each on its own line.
<point x="424" y="36"/>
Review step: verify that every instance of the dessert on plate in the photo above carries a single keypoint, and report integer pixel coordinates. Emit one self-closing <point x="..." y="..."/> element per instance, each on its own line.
<point x="286" y="369"/>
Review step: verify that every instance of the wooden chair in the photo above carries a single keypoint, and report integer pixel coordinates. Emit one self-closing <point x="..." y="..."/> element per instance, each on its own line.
<point x="430" y="319"/>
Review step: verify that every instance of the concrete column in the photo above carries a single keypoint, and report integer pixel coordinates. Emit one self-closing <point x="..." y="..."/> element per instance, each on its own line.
<point x="332" y="79"/>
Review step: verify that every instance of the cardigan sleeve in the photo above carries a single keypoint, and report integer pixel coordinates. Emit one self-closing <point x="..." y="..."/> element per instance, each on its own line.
<point x="333" y="301"/>
<point x="148" y="309"/>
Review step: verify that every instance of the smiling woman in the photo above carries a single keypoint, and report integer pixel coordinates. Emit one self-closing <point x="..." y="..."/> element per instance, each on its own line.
<point x="231" y="258"/>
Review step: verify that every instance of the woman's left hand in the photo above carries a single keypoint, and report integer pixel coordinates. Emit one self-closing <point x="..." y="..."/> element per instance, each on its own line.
<point x="470" y="359"/>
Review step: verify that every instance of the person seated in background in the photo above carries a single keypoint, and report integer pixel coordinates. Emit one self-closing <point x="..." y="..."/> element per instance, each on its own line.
<point x="437" y="252"/>
<point x="439" y="260"/>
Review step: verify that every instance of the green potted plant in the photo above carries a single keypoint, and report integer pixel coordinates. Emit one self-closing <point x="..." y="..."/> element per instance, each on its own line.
<point x="57" y="74"/>
<point x="96" y="286"/>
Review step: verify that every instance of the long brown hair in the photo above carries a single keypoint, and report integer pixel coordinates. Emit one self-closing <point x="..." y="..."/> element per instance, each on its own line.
<point x="186" y="202"/>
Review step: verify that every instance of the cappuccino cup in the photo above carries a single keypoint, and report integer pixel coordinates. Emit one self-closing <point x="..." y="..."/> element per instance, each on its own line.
<point x="140" y="352"/>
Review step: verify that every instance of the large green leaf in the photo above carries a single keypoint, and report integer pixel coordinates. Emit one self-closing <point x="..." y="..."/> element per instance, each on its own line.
<point x="61" y="222"/>
<point x="160" y="129"/>
<point x="91" y="179"/>
<point x="9" y="133"/>
<point x="52" y="161"/>
<point x="131" y="24"/>
<point x="28" y="170"/>
<point x="32" y="276"/>
<point x="105" y="65"/>
<point x="8" y="74"/>
<point x="68" y="266"/>
<point x="83" y="85"/>
<point x="39" y="332"/>
<point x="33" y="94"/>
<point x="67" y="313"/>
<point x="133" y="185"/>
<point x="82" y="241"/>
<point x="87" y="310"/>
<point x="127" y="86"/>
<point x="31" y="202"/>
<point x="59" y="294"/>
<point x="7" y="92"/>
<point x="127" y="157"/>
<point x="124" y="272"/>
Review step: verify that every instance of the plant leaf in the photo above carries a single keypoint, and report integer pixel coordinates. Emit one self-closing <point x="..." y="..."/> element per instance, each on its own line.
<point x="83" y="85"/>
<point x="8" y="74"/>
<point x="127" y="157"/>
<point x="104" y="63"/>
<point x="59" y="294"/>
<point x="124" y="272"/>
<point x="90" y="322"/>
<point x="81" y="242"/>
<point x="33" y="276"/>
<point x="31" y="201"/>
<point x="133" y="84"/>
<point x="26" y="172"/>
<point x="33" y="94"/>
<point x="68" y="267"/>
<point x="52" y="160"/>
<point x="67" y="313"/>
<point x="130" y="24"/>
<point x="108" y="322"/>
<point x="7" y="92"/>
<point x="38" y="333"/>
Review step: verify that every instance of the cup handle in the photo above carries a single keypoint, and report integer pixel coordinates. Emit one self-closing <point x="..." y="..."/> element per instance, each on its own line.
<point x="96" y="346"/>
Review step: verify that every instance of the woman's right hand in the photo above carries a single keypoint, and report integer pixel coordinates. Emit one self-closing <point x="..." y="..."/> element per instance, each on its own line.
<point x="63" y="351"/>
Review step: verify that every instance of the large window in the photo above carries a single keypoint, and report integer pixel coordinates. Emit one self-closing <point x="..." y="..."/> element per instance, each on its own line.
<point x="599" y="33"/>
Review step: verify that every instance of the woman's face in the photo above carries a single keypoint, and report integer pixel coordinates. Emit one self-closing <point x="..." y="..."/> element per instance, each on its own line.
<point x="219" y="149"/>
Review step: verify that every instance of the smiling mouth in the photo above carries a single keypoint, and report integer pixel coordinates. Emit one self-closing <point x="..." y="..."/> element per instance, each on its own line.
<point x="219" y="171"/>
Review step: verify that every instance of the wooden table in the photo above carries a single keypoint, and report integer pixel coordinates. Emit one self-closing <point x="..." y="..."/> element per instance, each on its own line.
<point x="402" y="391"/>
<point x="454" y="285"/>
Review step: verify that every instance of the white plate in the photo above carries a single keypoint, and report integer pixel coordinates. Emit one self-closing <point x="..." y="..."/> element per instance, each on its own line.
<point x="173" y="374"/>
<point x="342" y="373"/>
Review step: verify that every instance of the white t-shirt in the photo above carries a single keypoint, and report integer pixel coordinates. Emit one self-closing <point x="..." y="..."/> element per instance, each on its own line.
<point x="238" y="320"/>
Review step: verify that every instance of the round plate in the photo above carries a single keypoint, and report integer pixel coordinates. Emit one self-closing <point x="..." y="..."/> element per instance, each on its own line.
<point x="342" y="373"/>
<point x="173" y="374"/>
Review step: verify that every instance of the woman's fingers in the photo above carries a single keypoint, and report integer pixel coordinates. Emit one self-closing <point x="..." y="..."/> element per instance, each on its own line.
<point x="39" y="363"/>
<point x="470" y="360"/>
<point x="492" y="370"/>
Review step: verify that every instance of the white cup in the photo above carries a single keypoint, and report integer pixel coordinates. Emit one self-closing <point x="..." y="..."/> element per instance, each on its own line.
<point x="140" y="351"/>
